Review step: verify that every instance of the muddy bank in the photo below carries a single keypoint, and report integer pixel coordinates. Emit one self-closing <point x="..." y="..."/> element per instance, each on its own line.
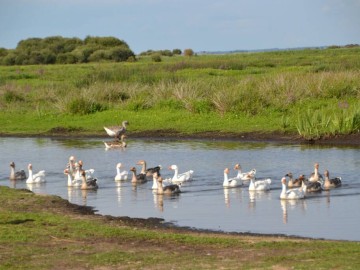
<point x="273" y="137"/>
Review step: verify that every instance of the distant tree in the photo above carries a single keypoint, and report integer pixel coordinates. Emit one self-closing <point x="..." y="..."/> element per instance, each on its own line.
<point x="57" y="49"/>
<point x="3" y="52"/>
<point x="188" y="52"/>
<point x="176" y="52"/>
<point x="120" y="53"/>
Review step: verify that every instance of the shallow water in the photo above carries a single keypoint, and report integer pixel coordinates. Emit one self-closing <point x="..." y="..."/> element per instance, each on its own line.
<point x="204" y="203"/>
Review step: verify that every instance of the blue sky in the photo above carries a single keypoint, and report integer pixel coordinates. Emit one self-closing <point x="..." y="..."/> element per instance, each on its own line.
<point x="202" y="25"/>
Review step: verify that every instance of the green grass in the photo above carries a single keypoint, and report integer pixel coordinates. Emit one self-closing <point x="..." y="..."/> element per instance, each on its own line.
<point x="286" y="91"/>
<point x="45" y="232"/>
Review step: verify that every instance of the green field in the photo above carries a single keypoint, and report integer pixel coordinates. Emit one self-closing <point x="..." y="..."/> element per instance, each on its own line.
<point x="311" y="92"/>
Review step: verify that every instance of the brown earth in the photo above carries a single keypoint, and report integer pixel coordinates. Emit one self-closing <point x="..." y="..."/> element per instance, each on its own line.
<point x="274" y="137"/>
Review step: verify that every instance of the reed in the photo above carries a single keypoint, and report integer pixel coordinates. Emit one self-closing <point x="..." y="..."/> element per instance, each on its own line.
<point x="329" y="121"/>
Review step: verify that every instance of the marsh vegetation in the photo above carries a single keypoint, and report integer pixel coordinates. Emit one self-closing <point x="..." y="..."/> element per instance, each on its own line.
<point x="312" y="92"/>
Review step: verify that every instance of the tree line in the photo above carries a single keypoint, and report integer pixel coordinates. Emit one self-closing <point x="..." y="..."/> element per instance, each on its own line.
<point x="61" y="50"/>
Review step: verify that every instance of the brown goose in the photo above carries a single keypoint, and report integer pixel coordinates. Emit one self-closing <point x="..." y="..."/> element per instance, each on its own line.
<point x="169" y="189"/>
<point x="117" y="131"/>
<point x="294" y="182"/>
<point x="19" y="175"/>
<point x="331" y="183"/>
<point x="137" y="178"/>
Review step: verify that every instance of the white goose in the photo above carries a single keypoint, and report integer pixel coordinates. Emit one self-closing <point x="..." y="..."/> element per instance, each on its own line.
<point x="70" y="181"/>
<point x="35" y="178"/>
<point x="77" y="176"/>
<point x="120" y="175"/>
<point x="232" y="182"/>
<point x="244" y="176"/>
<point x="259" y="184"/>
<point x="292" y="194"/>
<point x="180" y="177"/>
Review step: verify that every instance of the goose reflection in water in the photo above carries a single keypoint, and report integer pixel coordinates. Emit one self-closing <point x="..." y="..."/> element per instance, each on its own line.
<point x="119" y="192"/>
<point x="237" y="192"/>
<point x="292" y="204"/>
<point x="158" y="201"/>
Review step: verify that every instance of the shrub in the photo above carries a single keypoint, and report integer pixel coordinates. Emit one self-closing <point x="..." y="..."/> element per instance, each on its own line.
<point x="188" y="52"/>
<point x="82" y="106"/>
<point x="156" y="57"/>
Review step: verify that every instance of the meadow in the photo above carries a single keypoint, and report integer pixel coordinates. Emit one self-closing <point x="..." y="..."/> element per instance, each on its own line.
<point x="313" y="93"/>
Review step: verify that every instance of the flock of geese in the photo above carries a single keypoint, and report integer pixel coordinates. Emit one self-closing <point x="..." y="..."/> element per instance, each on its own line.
<point x="78" y="177"/>
<point x="292" y="189"/>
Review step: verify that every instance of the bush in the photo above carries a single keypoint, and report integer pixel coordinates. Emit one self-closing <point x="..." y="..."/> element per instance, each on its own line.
<point x="156" y="57"/>
<point x="188" y="52"/>
<point x="82" y="106"/>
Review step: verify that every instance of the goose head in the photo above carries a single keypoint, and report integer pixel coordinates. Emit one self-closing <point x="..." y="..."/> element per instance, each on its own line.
<point x="226" y="171"/>
<point x="326" y="173"/>
<point x="30" y="166"/>
<point x="118" y="165"/>
<point x="125" y="123"/>
<point x="12" y="164"/>
<point x="237" y="167"/>
<point x="173" y="167"/>
<point x="289" y="174"/>
<point x="133" y="169"/>
<point x="283" y="180"/>
<point x="141" y="162"/>
<point x="316" y="165"/>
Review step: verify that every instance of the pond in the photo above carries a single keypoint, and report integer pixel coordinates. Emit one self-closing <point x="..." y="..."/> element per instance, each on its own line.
<point x="203" y="203"/>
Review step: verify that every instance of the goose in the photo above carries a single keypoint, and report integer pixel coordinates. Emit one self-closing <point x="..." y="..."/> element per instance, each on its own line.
<point x="313" y="186"/>
<point x="35" y="178"/>
<point x="137" y="178"/>
<point x="149" y="171"/>
<point x="315" y="176"/>
<point x="182" y="177"/>
<point x="71" y="165"/>
<point x="294" y="182"/>
<point x="331" y="183"/>
<point x="116" y="144"/>
<point x="232" y="182"/>
<point x="244" y="176"/>
<point x="19" y="175"/>
<point x="292" y="194"/>
<point x="120" y="175"/>
<point x="259" y="184"/>
<point x="88" y="183"/>
<point x="79" y="168"/>
<point x="170" y="189"/>
<point x="117" y="131"/>
<point x="70" y="181"/>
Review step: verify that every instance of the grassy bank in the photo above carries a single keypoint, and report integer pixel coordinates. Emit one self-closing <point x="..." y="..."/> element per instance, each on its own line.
<point x="312" y="93"/>
<point x="47" y="232"/>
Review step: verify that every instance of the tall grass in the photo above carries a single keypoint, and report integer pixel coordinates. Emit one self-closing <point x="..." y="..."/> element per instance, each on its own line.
<point x="289" y="83"/>
<point x="329" y="121"/>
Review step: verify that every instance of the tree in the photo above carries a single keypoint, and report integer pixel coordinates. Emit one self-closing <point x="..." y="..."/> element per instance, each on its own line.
<point x="188" y="52"/>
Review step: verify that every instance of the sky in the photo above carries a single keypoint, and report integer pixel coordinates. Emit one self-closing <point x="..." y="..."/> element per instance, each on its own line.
<point x="200" y="25"/>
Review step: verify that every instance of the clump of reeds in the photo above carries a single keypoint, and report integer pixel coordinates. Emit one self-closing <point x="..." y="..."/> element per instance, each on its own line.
<point x="328" y="121"/>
